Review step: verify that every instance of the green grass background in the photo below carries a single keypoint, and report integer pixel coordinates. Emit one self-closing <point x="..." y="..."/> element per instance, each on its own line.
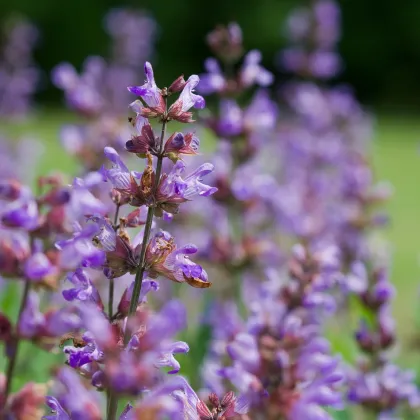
<point x="396" y="158"/>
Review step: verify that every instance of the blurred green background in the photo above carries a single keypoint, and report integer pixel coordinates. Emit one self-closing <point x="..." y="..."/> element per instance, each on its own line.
<point x="380" y="47"/>
<point x="380" y="41"/>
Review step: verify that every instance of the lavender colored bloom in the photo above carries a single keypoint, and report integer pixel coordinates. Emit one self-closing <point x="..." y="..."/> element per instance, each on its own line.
<point x="261" y="114"/>
<point x="253" y="73"/>
<point x="140" y="121"/>
<point x="57" y="410"/>
<point x="149" y="92"/>
<point x="212" y="81"/>
<point x="324" y="64"/>
<point x="22" y="213"/>
<point x="148" y="286"/>
<point x="76" y="399"/>
<point x="356" y="281"/>
<point x="80" y="356"/>
<point x="167" y="358"/>
<point x="79" y="250"/>
<point x="38" y="266"/>
<point x="174" y="185"/>
<point x="119" y="175"/>
<point x="171" y="319"/>
<point x="84" y="289"/>
<point x="81" y="91"/>
<point x="314" y="32"/>
<point x="82" y="201"/>
<point x="32" y="319"/>
<point x="384" y="389"/>
<point x="96" y="323"/>
<point x="188" y="99"/>
<point x="230" y="123"/>
<point x="65" y="76"/>
<point x="245" y="350"/>
<point x="36" y="325"/>
<point x="164" y="259"/>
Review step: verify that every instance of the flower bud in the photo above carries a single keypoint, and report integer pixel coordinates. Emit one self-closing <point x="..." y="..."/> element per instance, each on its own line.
<point x="214" y="400"/>
<point x="177" y="85"/>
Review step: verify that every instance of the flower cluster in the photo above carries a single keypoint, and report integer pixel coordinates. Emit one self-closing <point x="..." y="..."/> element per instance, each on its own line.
<point x="314" y="32"/>
<point x="30" y="226"/>
<point x="123" y="346"/>
<point x="282" y="219"/>
<point x="280" y="359"/>
<point x="376" y="384"/>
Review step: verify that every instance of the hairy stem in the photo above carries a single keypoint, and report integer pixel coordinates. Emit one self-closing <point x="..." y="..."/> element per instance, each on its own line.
<point x="15" y="346"/>
<point x="113" y="399"/>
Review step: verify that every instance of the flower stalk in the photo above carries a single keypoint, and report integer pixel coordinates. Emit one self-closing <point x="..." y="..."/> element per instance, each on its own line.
<point x="138" y="281"/>
<point x="15" y="347"/>
<point x="147" y="229"/>
<point x="111" y="281"/>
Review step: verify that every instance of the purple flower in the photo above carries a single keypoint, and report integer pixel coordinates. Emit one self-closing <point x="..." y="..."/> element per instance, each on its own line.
<point x="96" y="323"/>
<point x="167" y="358"/>
<point x="261" y="115"/>
<point x="245" y="350"/>
<point x="164" y="259"/>
<point x="324" y="64"/>
<point x="179" y="110"/>
<point x="80" y="356"/>
<point x="65" y="76"/>
<point x="79" y="249"/>
<point x="149" y="92"/>
<point x="84" y="289"/>
<point x="181" y="144"/>
<point x="31" y="320"/>
<point x="231" y="122"/>
<point x="21" y="213"/>
<point x="187" y="98"/>
<point x="75" y="398"/>
<point x="171" y="319"/>
<point x="38" y="266"/>
<point x="174" y="185"/>
<point x="212" y="81"/>
<point x="34" y="324"/>
<point x="118" y="175"/>
<point x="385" y="389"/>
<point x="57" y="411"/>
<point x="253" y="73"/>
<point x="82" y="92"/>
<point x="140" y="121"/>
<point x="82" y="201"/>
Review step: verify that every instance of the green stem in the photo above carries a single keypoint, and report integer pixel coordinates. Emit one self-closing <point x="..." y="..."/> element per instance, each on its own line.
<point x="141" y="268"/>
<point x="111" y="290"/>
<point x="138" y="281"/>
<point x="15" y="346"/>
<point x="111" y="281"/>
